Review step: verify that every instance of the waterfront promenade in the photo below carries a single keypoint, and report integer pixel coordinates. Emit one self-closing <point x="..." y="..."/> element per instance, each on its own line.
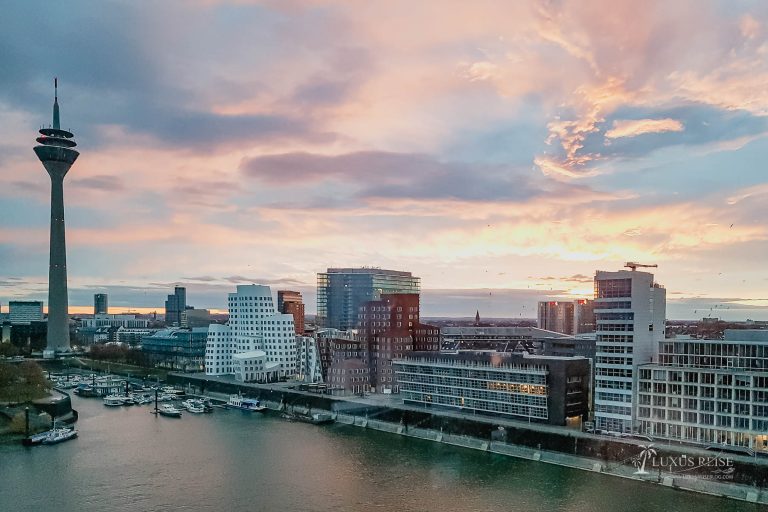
<point x="366" y="412"/>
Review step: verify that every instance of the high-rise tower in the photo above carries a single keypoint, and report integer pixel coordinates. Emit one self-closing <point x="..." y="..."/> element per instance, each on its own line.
<point x="56" y="154"/>
<point x="630" y="317"/>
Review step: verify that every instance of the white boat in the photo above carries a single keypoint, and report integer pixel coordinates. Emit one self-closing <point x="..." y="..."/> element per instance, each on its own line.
<point x="113" y="400"/>
<point x="245" y="404"/>
<point x="40" y="437"/>
<point x="59" y="435"/>
<point x="196" y="408"/>
<point x="169" y="410"/>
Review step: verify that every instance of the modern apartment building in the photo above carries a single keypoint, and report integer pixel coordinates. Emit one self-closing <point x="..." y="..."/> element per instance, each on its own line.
<point x="552" y="390"/>
<point x="630" y="311"/>
<point x="709" y="392"/>
<point x="341" y="292"/>
<point x="257" y="344"/>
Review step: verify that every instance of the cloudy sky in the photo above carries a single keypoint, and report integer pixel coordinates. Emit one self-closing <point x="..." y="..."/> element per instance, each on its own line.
<point x="502" y="151"/>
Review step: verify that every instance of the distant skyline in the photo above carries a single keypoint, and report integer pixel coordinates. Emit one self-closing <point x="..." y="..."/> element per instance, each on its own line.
<point x="501" y="151"/>
<point x="492" y="303"/>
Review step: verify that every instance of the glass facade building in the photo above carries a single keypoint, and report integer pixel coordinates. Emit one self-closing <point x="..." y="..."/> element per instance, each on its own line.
<point x="177" y="349"/>
<point x="341" y="292"/>
<point x="536" y="388"/>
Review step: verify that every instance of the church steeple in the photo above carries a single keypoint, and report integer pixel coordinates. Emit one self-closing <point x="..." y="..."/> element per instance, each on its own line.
<point x="477" y="317"/>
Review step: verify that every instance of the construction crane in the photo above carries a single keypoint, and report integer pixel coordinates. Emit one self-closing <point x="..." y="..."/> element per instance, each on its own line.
<point x="633" y="265"/>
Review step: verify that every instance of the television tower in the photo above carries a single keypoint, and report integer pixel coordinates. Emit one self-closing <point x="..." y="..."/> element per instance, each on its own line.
<point x="56" y="154"/>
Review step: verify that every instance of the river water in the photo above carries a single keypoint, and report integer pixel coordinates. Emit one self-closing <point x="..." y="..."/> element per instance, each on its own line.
<point x="126" y="459"/>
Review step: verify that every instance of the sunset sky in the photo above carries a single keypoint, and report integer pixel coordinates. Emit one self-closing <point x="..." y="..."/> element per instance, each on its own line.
<point x="502" y="151"/>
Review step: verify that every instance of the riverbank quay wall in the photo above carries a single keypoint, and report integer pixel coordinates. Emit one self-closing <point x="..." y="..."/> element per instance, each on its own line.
<point x="748" y="478"/>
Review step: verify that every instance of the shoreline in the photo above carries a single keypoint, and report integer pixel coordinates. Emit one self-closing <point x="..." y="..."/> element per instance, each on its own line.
<point x="353" y="411"/>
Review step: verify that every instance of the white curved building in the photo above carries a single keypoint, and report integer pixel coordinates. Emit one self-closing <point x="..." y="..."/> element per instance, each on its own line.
<point x="258" y="344"/>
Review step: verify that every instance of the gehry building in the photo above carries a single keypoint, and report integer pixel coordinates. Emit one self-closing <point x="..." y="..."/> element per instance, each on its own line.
<point x="257" y="344"/>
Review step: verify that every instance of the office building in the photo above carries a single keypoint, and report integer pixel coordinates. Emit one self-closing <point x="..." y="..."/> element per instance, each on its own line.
<point x="708" y="392"/>
<point x="341" y="292"/>
<point x="552" y="390"/>
<point x="23" y="312"/>
<point x="175" y="305"/>
<point x="630" y="309"/>
<point x="57" y="156"/>
<point x="567" y="317"/>
<point x="556" y="316"/>
<point x="192" y="317"/>
<point x="500" y="339"/>
<point x="177" y="349"/>
<point x="583" y="345"/>
<point x="127" y="321"/>
<point x="100" y="304"/>
<point x="290" y="302"/>
<point x="583" y="316"/>
<point x="257" y="344"/>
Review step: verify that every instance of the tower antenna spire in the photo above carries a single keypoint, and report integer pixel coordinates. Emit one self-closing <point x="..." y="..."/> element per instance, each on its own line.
<point x="56" y="123"/>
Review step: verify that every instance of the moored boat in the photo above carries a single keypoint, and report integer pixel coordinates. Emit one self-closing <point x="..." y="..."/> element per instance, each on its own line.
<point x="315" y="418"/>
<point x="113" y="400"/>
<point x="59" y="435"/>
<point x="169" y="411"/>
<point x="38" y="438"/>
<point x="244" y="404"/>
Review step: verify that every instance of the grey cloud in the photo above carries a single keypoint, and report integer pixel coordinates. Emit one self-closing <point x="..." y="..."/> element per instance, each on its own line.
<point x="245" y="280"/>
<point x="112" y="73"/>
<point x="402" y="175"/>
<point x="205" y="279"/>
<point x="100" y="182"/>
<point x="29" y="186"/>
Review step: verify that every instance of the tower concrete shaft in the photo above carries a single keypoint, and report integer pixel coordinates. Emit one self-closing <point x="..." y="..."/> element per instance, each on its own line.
<point x="57" y="156"/>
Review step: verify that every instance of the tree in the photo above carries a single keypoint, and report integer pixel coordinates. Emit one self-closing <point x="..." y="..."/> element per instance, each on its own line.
<point x="22" y="382"/>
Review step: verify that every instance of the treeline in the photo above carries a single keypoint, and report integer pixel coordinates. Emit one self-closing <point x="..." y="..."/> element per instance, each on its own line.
<point x="22" y="382"/>
<point x="118" y="354"/>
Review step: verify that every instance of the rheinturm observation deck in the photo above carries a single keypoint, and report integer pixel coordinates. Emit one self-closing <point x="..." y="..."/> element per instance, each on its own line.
<point x="57" y="155"/>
